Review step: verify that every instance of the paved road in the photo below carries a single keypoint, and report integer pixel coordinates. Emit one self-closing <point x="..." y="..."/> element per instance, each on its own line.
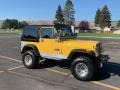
<point x="52" y="75"/>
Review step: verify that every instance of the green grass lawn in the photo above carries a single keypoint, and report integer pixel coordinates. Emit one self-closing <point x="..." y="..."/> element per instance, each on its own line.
<point x="9" y="32"/>
<point x="99" y="35"/>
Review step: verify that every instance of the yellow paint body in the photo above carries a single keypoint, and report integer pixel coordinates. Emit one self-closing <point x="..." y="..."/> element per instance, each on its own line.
<point x="63" y="47"/>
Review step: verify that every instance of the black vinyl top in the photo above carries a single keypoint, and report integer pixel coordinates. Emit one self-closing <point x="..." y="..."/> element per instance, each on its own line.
<point x="30" y="33"/>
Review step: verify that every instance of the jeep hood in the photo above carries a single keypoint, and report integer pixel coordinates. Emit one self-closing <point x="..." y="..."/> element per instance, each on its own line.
<point x="81" y="44"/>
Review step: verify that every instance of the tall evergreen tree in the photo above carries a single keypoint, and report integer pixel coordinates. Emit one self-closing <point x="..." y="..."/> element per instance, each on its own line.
<point x="97" y="17"/>
<point x="59" y="15"/>
<point x="69" y="13"/>
<point x="105" y="17"/>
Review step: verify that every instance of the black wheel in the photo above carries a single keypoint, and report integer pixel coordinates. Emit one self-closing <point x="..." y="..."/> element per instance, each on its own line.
<point x="98" y="66"/>
<point x="82" y="68"/>
<point x="29" y="59"/>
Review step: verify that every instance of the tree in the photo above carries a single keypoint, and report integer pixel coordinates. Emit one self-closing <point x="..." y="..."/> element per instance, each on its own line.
<point x="84" y="25"/>
<point x="118" y="24"/>
<point x="13" y="24"/>
<point x="69" y="13"/>
<point x="6" y="24"/>
<point x="10" y="23"/>
<point x="59" y="15"/>
<point x="97" y="17"/>
<point x="23" y="24"/>
<point x="105" y="17"/>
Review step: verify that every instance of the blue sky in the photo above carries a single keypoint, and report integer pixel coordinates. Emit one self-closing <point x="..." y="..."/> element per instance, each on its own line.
<point x="45" y="9"/>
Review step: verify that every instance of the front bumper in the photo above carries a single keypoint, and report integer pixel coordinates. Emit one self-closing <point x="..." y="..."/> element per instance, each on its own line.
<point x="104" y="59"/>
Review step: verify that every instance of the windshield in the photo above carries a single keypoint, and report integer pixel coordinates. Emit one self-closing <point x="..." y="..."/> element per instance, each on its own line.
<point x="65" y="32"/>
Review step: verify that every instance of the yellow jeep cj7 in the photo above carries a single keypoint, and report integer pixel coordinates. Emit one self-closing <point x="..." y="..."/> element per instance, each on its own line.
<point x="59" y="43"/>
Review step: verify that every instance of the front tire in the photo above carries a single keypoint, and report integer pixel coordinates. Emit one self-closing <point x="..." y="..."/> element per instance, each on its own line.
<point x="82" y="68"/>
<point x="30" y="60"/>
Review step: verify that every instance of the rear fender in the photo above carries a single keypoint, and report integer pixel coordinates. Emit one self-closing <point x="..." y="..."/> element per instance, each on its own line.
<point x="30" y="47"/>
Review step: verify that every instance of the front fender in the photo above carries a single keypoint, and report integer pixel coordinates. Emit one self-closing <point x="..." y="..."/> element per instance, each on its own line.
<point x="80" y="52"/>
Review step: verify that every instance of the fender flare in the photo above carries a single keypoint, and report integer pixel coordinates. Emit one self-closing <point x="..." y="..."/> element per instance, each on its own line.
<point x="31" y="47"/>
<point x="82" y="51"/>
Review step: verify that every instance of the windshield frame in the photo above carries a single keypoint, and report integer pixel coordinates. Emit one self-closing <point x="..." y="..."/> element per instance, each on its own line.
<point x="69" y="33"/>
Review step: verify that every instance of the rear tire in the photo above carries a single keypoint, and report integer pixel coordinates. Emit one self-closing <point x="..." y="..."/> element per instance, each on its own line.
<point x="30" y="60"/>
<point x="82" y="68"/>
